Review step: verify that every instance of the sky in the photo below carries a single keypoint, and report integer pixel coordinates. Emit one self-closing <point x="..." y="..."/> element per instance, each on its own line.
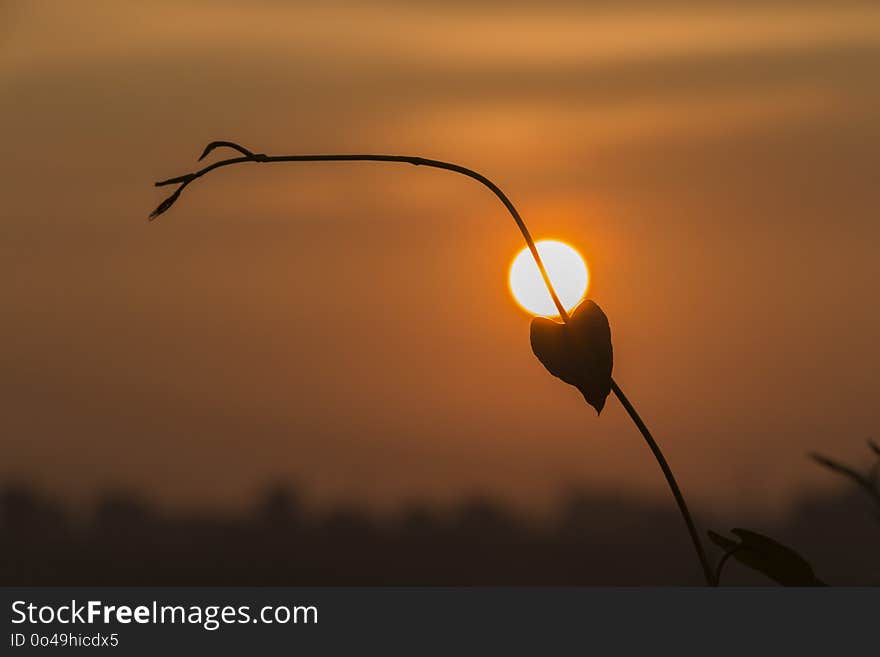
<point x="349" y="326"/>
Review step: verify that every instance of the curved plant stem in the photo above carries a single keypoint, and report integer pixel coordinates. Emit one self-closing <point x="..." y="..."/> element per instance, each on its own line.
<point x="247" y="156"/>
<point x="711" y="580"/>
<point x="723" y="561"/>
<point x="416" y="161"/>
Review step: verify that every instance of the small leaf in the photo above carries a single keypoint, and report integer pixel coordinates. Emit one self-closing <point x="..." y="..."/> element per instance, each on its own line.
<point x="186" y="178"/>
<point x="579" y="352"/>
<point x="779" y="562"/>
<point x="164" y="205"/>
<point x="726" y="544"/>
<point x="228" y="144"/>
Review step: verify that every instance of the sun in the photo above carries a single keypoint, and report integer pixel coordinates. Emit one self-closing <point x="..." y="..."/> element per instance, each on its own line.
<point x="566" y="269"/>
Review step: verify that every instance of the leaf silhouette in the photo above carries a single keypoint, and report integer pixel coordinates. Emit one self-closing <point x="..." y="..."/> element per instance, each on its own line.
<point x="167" y="203"/>
<point x="579" y="352"/>
<point x="227" y="144"/>
<point x="779" y="562"/>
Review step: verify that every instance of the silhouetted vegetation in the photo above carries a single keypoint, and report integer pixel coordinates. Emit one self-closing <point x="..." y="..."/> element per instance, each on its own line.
<point x="780" y="562"/>
<point x="868" y="481"/>
<point x="578" y="350"/>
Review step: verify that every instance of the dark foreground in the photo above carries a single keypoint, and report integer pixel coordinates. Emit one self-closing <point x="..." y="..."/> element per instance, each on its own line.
<point x="592" y="540"/>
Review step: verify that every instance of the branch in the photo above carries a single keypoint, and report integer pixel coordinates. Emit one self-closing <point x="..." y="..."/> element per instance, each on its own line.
<point x="248" y="156"/>
<point x="867" y="483"/>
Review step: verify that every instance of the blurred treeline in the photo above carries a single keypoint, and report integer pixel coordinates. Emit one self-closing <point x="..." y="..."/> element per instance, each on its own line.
<point x="591" y="539"/>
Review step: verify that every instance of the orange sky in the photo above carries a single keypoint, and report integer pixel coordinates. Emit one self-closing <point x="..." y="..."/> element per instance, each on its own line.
<point x="349" y="326"/>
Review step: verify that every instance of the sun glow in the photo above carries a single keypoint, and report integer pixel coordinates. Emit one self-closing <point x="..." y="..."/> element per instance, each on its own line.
<point x="566" y="269"/>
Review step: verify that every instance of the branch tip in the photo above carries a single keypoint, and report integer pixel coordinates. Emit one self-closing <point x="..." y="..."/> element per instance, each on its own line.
<point x="167" y="203"/>
<point x="228" y="144"/>
<point x="177" y="179"/>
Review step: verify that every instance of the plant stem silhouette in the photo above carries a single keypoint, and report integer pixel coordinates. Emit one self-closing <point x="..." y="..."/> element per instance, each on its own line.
<point x="261" y="158"/>
<point x="869" y="482"/>
<point x="720" y="567"/>
<point x="416" y="161"/>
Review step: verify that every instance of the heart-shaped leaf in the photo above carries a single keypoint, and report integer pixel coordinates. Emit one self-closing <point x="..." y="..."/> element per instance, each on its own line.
<point x="777" y="561"/>
<point x="579" y="352"/>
